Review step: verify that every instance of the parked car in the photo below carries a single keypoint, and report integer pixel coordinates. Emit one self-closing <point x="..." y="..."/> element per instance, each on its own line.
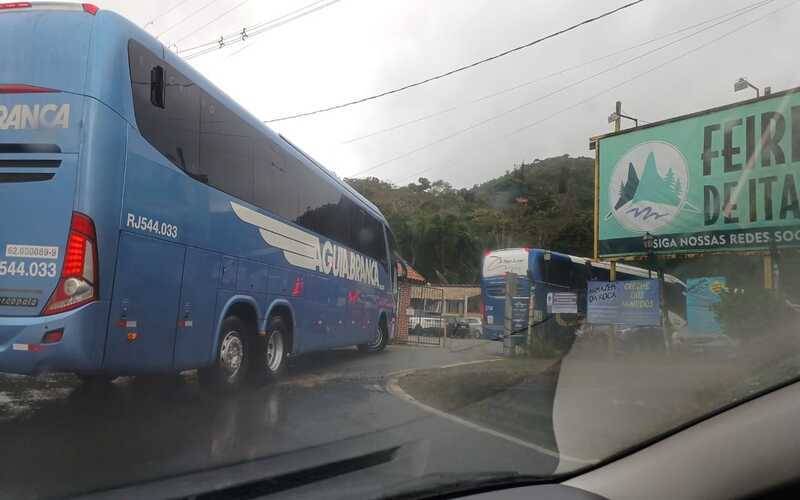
<point x="465" y="328"/>
<point x="426" y="325"/>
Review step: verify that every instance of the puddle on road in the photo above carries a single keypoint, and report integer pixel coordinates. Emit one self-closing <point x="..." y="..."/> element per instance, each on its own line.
<point x="21" y="394"/>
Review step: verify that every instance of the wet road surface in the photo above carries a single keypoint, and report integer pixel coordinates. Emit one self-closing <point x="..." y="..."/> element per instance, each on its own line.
<point x="59" y="438"/>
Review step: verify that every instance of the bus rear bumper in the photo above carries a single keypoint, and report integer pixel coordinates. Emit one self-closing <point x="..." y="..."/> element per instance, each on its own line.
<point x="80" y="349"/>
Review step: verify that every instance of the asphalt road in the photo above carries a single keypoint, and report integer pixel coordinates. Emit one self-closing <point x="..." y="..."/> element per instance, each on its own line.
<point x="59" y="438"/>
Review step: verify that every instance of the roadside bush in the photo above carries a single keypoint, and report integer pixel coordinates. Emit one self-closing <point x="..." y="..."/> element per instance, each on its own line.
<point x="752" y="314"/>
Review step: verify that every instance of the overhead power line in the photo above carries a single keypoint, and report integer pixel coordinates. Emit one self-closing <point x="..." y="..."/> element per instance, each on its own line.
<point x="548" y="76"/>
<point x="276" y="24"/>
<point x="460" y="68"/>
<point x="209" y="23"/>
<point x="255" y="26"/>
<point x="557" y="91"/>
<point x="166" y="13"/>
<point x="249" y="32"/>
<point x="186" y="18"/>
<point x="552" y="93"/>
<point x="646" y="72"/>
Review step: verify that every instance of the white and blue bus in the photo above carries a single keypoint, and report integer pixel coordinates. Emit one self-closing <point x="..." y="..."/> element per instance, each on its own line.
<point x="544" y="271"/>
<point x="151" y="225"/>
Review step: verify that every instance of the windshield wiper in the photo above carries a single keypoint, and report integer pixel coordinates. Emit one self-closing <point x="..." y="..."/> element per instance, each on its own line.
<point x="303" y="477"/>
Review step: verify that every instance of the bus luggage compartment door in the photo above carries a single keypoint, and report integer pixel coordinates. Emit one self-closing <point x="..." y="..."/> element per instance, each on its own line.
<point x="144" y="306"/>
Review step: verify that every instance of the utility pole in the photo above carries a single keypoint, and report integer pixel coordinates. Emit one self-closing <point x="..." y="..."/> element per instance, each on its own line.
<point x="617" y="116"/>
<point x="508" y="323"/>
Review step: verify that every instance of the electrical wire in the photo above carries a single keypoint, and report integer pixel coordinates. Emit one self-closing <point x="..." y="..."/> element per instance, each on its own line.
<point x="548" y="76"/>
<point x="245" y="33"/>
<point x="209" y="23"/>
<point x="281" y="23"/>
<point x="255" y="26"/>
<point x="186" y="18"/>
<point x="633" y="78"/>
<point x="554" y="92"/>
<point x="460" y="68"/>
<point x="166" y="13"/>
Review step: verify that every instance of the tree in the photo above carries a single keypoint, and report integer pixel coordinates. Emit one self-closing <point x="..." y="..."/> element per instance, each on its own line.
<point x="678" y="188"/>
<point x="669" y="180"/>
<point x="443" y="231"/>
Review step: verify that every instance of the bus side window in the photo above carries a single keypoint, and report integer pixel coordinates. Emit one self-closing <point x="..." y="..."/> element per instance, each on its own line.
<point x="172" y="130"/>
<point x="225" y="149"/>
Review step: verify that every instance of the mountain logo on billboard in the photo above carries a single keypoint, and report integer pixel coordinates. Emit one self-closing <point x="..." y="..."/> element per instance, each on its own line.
<point x="649" y="186"/>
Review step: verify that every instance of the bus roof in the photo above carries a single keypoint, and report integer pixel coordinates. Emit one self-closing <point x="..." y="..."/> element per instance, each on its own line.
<point x="624" y="268"/>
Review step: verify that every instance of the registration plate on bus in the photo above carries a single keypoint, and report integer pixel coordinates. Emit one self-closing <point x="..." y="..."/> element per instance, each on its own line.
<point x="12" y="301"/>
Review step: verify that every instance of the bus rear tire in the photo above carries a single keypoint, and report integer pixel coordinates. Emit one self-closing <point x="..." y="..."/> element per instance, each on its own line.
<point x="232" y="357"/>
<point x="273" y="351"/>
<point x="379" y="342"/>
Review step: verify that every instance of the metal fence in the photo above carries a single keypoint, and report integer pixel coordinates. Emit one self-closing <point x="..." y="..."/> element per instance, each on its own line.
<point x="425" y="324"/>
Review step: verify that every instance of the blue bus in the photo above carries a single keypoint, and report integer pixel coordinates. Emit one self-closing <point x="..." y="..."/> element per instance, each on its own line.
<point x="152" y="225"/>
<point x="544" y="271"/>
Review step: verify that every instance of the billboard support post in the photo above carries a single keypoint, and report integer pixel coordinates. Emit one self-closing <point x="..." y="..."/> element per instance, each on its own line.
<point x="769" y="283"/>
<point x="612" y="337"/>
<point x="596" y="243"/>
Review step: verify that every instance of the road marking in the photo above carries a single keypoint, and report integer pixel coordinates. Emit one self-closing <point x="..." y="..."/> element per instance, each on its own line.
<point x="393" y="387"/>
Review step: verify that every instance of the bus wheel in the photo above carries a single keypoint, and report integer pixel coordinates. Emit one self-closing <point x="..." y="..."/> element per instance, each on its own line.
<point x="230" y="365"/>
<point x="379" y="342"/>
<point x="275" y="349"/>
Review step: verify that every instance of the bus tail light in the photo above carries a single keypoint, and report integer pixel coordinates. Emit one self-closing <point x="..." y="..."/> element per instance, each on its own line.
<point x="78" y="284"/>
<point x="15" y="5"/>
<point x="53" y="336"/>
<point x="85" y="7"/>
<point x="90" y="8"/>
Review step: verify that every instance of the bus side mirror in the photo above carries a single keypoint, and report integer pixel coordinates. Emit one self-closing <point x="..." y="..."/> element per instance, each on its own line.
<point x="157" y="87"/>
<point x="401" y="263"/>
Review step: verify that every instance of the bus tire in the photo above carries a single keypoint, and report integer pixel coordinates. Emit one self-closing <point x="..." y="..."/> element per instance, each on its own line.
<point x="232" y="356"/>
<point x="274" y="350"/>
<point x="379" y="342"/>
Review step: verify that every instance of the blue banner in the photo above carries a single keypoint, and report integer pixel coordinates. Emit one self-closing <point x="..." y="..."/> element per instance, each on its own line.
<point x="639" y="303"/>
<point x="602" y="304"/>
<point x="701" y="295"/>
<point x="625" y="303"/>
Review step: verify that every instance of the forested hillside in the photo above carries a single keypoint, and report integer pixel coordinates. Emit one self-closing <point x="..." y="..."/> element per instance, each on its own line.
<point x="443" y="231"/>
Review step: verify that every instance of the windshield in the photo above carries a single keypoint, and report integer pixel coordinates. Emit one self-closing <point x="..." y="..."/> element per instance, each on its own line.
<point x="384" y="248"/>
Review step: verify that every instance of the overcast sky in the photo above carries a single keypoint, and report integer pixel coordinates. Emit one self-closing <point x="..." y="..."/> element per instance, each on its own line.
<point x="355" y="48"/>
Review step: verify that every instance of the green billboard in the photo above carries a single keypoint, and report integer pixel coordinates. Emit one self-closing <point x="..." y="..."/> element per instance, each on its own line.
<point x="719" y="180"/>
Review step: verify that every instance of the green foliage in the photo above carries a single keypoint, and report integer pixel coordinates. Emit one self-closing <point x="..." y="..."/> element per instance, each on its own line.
<point x="443" y="231"/>
<point x="751" y="314"/>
